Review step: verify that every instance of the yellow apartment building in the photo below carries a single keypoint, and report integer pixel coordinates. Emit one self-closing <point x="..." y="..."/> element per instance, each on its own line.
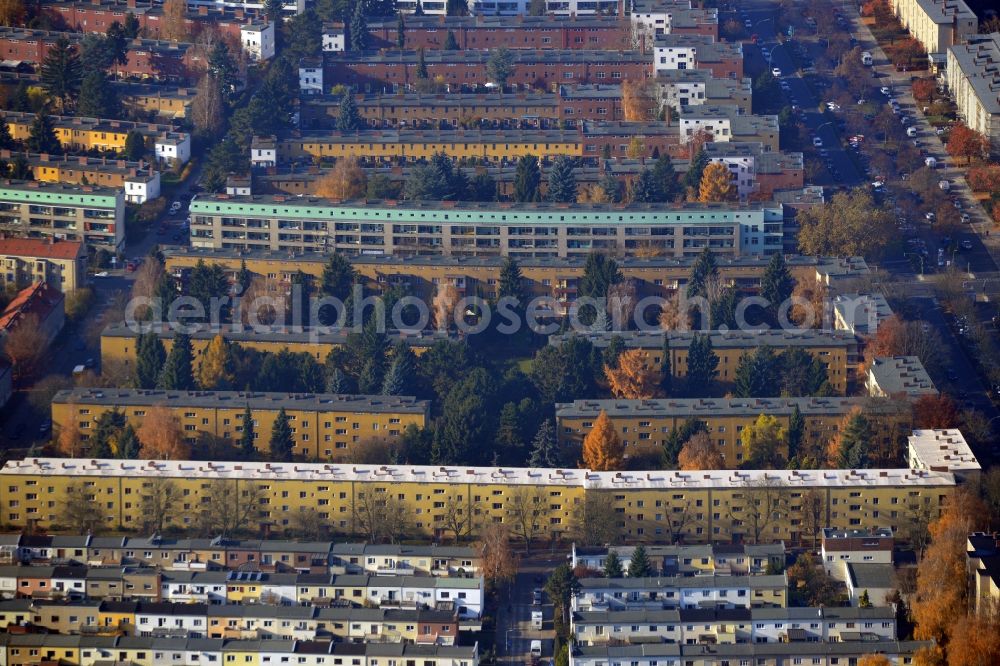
<point x="118" y="342"/>
<point x="60" y="263"/>
<point x="541" y="276"/>
<point x="837" y="350"/>
<point x="652" y="506"/>
<point x="162" y="101"/>
<point x="89" y="133"/>
<point x="390" y="145"/>
<point x="643" y="423"/>
<point x="325" y="426"/>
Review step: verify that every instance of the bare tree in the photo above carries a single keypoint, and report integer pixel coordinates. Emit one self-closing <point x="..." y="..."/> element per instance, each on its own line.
<point x="680" y="517"/>
<point x="306" y="523"/>
<point x="763" y="503"/>
<point x="229" y="507"/>
<point x="915" y="524"/>
<point x="595" y="522"/>
<point x="498" y="561"/>
<point x="457" y="515"/>
<point x="380" y="516"/>
<point x="525" y="508"/>
<point x="208" y="107"/>
<point x="813" y="513"/>
<point x="80" y="508"/>
<point x="23" y="347"/>
<point x="157" y="503"/>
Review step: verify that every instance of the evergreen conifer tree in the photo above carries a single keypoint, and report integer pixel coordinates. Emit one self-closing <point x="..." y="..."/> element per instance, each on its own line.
<point x="282" y="445"/>
<point x="177" y="374"/>
<point x="149" y="359"/>
<point x="248" y="450"/>
<point x="640" y="566"/>
<point x="613" y="565"/>
<point x="562" y="181"/>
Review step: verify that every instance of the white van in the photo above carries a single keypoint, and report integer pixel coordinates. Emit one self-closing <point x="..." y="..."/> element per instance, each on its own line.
<point x="866" y="58"/>
<point x="536" y="649"/>
<point x="536" y="620"/>
<point x="911" y="132"/>
<point x="944" y="185"/>
<point x="930" y="162"/>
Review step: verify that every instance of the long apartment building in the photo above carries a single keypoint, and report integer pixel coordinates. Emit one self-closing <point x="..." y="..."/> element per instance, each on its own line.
<point x="277" y="223"/>
<point x="837" y="350"/>
<point x="118" y="341"/>
<point x="92" y="215"/>
<point x="653" y="18"/>
<point x="708" y="591"/>
<point x="728" y="626"/>
<point x="147" y="58"/>
<point x="696" y="506"/>
<point x="973" y="74"/>
<point x="237" y="622"/>
<point x="755" y="172"/>
<point x="140" y="180"/>
<point x="551" y="277"/>
<point x="60" y="264"/>
<point x="325" y="426"/>
<point x="27" y="649"/>
<point x="643" y="423"/>
<point x="691" y="87"/>
<point x="222" y="553"/>
<point x="937" y="24"/>
<point x="490" y="31"/>
<point x="394" y="69"/>
<point x="899" y="653"/>
<point x="78" y="133"/>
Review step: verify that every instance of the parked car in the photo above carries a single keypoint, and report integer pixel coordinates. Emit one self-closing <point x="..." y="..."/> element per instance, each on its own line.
<point x="817" y="141"/>
<point x="776" y="71"/>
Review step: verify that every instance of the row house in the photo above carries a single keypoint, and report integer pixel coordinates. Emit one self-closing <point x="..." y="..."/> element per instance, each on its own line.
<point x="75" y="582"/>
<point x="140" y="180"/>
<point x="147" y="58"/>
<point x="31" y="649"/>
<point x="491" y="32"/>
<point x="708" y="591"/>
<point x="96" y="16"/>
<point x="533" y="68"/>
<point x="733" y="625"/>
<point x="691" y="560"/>
<point x="723" y="59"/>
<point x="406" y="560"/>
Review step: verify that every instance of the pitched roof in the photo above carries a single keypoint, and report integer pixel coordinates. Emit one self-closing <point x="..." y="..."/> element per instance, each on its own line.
<point x="37" y="247"/>
<point x="39" y="298"/>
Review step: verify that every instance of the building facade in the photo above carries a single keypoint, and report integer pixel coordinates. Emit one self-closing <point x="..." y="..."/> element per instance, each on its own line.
<point x="937" y="24"/>
<point x="472" y="229"/>
<point x="324" y="426"/>
<point x="698" y="507"/>
<point x="61" y="264"/>
<point x="973" y="75"/>
<point x="92" y="215"/>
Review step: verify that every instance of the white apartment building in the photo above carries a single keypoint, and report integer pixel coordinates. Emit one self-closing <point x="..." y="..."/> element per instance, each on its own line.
<point x="973" y="75"/>
<point x="311" y="76"/>
<point x="258" y="41"/>
<point x="937" y="24"/>
<point x="334" y="40"/>
<point x="497" y="7"/>
<point x="681" y="592"/>
<point x="142" y="187"/>
<point x="174" y="148"/>
<point x="581" y="7"/>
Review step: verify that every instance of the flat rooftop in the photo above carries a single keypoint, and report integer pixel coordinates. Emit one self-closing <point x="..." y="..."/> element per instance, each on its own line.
<point x="683" y="407"/>
<point x="325" y="402"/>
<point x="941" y="450"/>
<point x="777" y="338"/>
<point x="901" y="375"/>
<point x="979" y="60"/>
<point x="331" y="473"/>
<point x="277" y="334"/>
<point x="35" y="191"/>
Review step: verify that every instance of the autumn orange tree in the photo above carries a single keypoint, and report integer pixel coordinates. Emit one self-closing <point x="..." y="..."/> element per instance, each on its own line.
<point x="637" y="102"/>
<point x="924" y="89"/>
<point x="874" y="660"/>
<point x="174" y="23"/>
<point x="69" y="442"/>
<point x="12" y="12"/>
<point x="935" y="411"/>
<point x="700" y="453"/>
<point x="967" y="143"/>
<point x="23" y="348"/>
<point x="975" y="640"/>
<point x="632" y="378"/>
<point x="984" y="178"/>
<point x="160" y="436"/>
<point x="445" y="300"/>
<point x="602" y="448"/>
<point x="346" y="180"/>
<point x="215" y="372"/>
<point x="941" y="596"/>
<point x="716" y="184"/>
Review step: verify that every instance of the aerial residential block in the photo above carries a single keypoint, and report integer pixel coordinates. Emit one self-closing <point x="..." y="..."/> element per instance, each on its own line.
<point x="92" y="215"/>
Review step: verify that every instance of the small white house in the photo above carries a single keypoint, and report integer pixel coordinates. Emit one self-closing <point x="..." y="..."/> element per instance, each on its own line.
<point x="258" y="40"/>
<point x="264" y="152"/>
<point x="143" y="186"/>
<point x="239" y="186"/>
<point x="333" y="40"/>
<point x="311" y="76"/>
<point x="174" y="148"/>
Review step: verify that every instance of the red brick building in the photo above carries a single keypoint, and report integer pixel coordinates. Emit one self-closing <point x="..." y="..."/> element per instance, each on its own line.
<point x="147" y="58"/>
<point x="395" y="70"/>
<point x="98" y="15"/>
<point x="520" y="32"/>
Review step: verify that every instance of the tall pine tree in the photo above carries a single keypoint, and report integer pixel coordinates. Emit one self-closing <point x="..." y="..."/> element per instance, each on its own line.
<point x="359" y="28"/>
<point x="149" y="358"/>
<point x="348" y="119"/>
<point x="640" y="566"/>
<point x="177" y="374"/>
<point x="777" y="284"/>
<point x="248" y="450"/>
<point x="527" y="178"/>
<point x="543" y="447"/>
<point x="702" y="365"/>
<point x="613" y="565"/>
<point x="282" y="446"/>
<point x="562" y="181"/>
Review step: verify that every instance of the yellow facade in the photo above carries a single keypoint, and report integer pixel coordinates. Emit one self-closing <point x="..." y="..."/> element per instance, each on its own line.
<point x="119" y="347"/>
<point x="725" y="430"/>
<point x="85" y="133"/>
<point x="76" y="173"/>
<point x="332" y="432"/>
<point x="337" y="147"/>
<point x="654" y="506"/>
